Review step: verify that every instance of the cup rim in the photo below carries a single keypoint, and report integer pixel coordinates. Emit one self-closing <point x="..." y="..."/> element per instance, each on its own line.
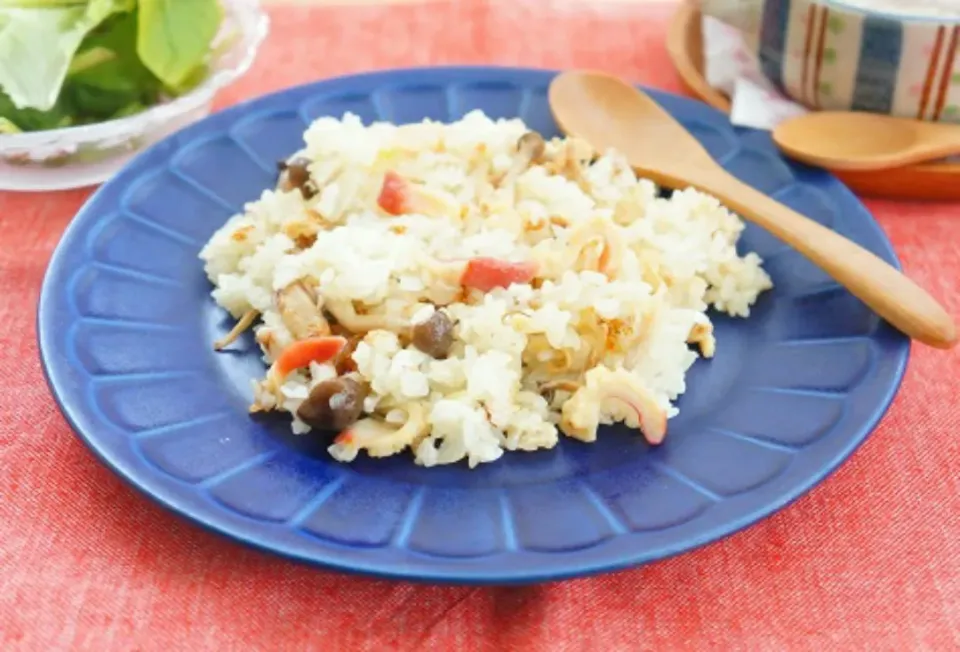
<point x="892" y="16"/>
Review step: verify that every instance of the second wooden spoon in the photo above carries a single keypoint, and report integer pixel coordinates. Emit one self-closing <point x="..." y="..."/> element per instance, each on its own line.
<point x="609" y="113"/>
<point x="847" y="140"/>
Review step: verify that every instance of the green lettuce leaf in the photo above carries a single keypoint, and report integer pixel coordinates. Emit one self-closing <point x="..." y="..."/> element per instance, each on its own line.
<point x="8" y="127"/>
<point x="38" y="44"/>
<point x="32" y="119"/>
<point x="107" y="78"/>
<point x="174" y="37"/>
<point x="42" y="4"/>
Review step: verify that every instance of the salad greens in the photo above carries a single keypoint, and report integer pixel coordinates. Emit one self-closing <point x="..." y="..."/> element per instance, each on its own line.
<point x="71" y="62"/>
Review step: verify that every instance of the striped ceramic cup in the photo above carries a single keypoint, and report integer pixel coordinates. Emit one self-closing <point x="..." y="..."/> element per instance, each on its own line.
<point x="900" y="57"/>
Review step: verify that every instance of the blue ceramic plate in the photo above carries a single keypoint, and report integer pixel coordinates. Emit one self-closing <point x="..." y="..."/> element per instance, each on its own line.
<point x="126" y="325"/>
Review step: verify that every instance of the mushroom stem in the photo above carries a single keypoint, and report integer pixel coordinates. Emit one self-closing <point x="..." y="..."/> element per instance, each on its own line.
<point x="530" y="148"/>
<point x="346" y="315"/>
<point x="243" y="324"/>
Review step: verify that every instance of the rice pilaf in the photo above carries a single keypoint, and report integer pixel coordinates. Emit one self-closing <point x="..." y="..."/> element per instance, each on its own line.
<point x="468" y="288"/>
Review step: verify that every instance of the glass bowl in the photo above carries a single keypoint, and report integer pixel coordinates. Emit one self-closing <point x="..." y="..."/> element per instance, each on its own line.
<point x="87" y="155"/>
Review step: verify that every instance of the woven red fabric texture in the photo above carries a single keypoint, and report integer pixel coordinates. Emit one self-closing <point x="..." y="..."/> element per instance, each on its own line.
<point x="869" y="560"/>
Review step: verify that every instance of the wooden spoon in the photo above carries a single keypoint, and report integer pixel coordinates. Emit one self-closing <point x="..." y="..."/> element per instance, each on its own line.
<point x="609" y="113"/>
<point x="848" y="140"/>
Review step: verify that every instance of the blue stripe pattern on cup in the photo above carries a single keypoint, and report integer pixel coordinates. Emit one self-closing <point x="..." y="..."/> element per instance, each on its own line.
<point x="880" y="51"/>
<point x="773" y="38"/>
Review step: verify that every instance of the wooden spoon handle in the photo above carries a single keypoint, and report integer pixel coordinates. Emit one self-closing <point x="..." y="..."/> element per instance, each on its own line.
<point x="892" y="295"/>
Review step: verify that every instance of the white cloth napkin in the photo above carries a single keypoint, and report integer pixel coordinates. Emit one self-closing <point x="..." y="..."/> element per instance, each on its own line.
<point x="732" y="66"/>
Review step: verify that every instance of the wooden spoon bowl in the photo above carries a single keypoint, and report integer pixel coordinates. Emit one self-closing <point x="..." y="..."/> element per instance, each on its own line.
<point x="848" y="140"/>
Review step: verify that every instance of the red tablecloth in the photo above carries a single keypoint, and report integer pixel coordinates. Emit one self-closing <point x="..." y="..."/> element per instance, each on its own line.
<point x="868" y="560"/>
